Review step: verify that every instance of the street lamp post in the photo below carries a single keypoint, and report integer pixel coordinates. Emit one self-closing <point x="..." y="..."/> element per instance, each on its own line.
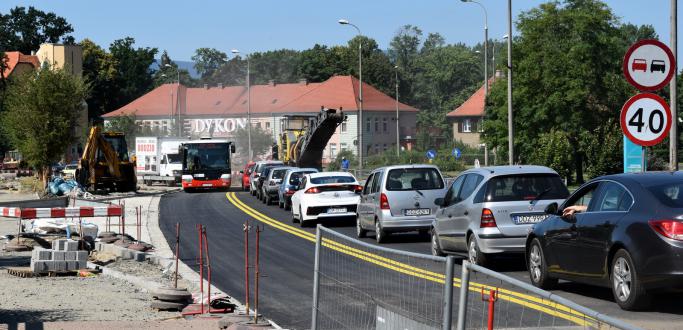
<point x="511" y="154"/>
<point x="486" y="48"/>
<point x="398" y="140"/>
<point x="360" y="94"/>
<point x="179" y="127"/>
<point x="251" y="155"/>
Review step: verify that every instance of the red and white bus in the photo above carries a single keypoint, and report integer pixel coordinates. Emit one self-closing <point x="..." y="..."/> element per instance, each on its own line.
<point x="206" y="164"/>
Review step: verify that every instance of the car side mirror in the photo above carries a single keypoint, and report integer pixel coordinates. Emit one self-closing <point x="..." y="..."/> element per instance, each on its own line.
<point x="552" y="208"/>
<point x="439" y="201"/>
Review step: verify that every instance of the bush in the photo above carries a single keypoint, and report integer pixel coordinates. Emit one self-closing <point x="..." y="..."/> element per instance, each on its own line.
<point x="336" y="164"/>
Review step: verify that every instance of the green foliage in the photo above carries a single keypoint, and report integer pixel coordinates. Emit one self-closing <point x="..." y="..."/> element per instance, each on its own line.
<point x="601" y="144"/>
<point x="133" y="76"/>
<point x="335" y="165"/>
<point x="554" y="150"/>
<point x="208" y="60"/>
<point x="169" y="72"/>
<point x="125" y="124"/>
<point x="261" y="141"/>
<point x="41" y="113"/>
<point x="24" y="30"/>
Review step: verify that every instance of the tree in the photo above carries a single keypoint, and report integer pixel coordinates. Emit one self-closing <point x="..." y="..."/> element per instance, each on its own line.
<point x="169" y="72"/>
<point x="126" y="124"/>
<point x="567" y="77"/>
<point x="261" y="142"/>
<point x="99" y="70"/>
<point x="41" y="113"/>
<point x="25" y="31"/>
<point x="133" y="77"/>
<point x="208" y="60"/>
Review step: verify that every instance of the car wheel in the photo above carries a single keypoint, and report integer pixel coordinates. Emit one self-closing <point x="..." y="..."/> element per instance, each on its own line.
<point x="267" y="199"/>
<point x="435" y="246"/>
<point x="474" y="255"/>
<point x="380" y="234"/>
<point x="360" y="232"/>
<point x="626" y="286"/>
<point x="538" y="269"/>
<point x="302" y="222"/>
<point x="280" y="205"/>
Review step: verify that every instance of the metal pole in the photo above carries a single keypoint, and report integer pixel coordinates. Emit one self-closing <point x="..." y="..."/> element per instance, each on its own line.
<point x="486" y="56"/>
<point x="177" y="247"/>
<point x="398" y="140"/>
<point x="170" y="117"/>
<point x="208" y="268"/>
<point x="201" y="268"/>
<point x="511" y="151"/>
<point x="673" y="133"/>
<point x="643" y="165"/>
<point x="448" y="295"/>
<point x="246" y="267"/>
<point x="251" y="153"/>
<point x="256" y="275"/>
<point x="464" y="291"/>
<point x="178" y="124"/>
<point x="486" y="155"/>
<point x="316" y="278"/>
<point x="360" y="100"/>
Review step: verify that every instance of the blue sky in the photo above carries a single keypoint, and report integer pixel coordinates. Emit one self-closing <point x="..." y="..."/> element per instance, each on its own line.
<point x="183" y="26"/>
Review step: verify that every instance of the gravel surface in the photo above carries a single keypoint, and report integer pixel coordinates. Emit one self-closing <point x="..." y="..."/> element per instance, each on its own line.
<point x="148" y="271"/>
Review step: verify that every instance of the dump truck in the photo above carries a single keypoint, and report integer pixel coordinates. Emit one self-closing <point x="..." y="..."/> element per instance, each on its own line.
<point x="105" y="163"/>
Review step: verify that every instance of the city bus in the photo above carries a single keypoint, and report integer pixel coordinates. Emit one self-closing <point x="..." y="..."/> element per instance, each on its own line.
<point x="206" y="164"/>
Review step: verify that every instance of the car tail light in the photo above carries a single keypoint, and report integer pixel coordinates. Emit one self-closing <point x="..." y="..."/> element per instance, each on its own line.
<point x="487" y="219"/>
<point x="312" y="190"/>
<point x="289" y="191"/>
<point x="358" y="188"/>
<point x="668" y="228"/>
<point x="383" y="202"/>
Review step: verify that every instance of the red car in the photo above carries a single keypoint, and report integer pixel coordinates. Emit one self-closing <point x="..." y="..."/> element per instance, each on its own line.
<point x="639" y="64"/>
<point x="246" y="172"/>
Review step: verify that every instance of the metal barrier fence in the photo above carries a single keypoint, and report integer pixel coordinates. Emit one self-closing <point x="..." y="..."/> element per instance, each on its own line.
<point x="358" y="285"/>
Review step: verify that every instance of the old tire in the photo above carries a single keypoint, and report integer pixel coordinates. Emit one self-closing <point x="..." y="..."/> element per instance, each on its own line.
<point x="174" y="295"/>
<point x="167" y="305"/>
<point x="538" y="268"/>
<point x="626" y="285"/>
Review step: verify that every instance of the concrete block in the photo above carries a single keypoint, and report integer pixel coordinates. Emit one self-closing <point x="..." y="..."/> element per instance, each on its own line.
<point x="70" y="255"/>
<point x="71" y="245"/>
<point x="59" y="266"/>
<point x="39" y="266"/>
<point x="40" y="254"/>
<point x="139" y="256"/>
<point x="82" y="256"/>
<point x="73" y="265"/>
<point x="58" y="255"/>
<point x="59" y="244"/>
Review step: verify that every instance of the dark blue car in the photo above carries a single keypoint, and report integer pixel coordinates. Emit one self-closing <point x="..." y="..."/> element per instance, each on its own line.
<point x="628" y="236"/>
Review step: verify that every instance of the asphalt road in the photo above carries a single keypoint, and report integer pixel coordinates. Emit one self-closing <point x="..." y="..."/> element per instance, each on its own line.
<point x="349" y="286"/>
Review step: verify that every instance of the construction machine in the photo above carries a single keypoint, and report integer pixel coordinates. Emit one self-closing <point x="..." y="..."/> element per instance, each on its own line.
<point x="105" y="163"/>
<point x="304" y="137"/>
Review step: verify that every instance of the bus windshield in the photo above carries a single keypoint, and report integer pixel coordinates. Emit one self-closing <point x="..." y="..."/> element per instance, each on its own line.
<point x="203" y="156"/>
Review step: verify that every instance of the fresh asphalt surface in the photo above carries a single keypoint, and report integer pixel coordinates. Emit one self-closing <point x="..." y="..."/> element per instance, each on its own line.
<point x="286" y="261"/>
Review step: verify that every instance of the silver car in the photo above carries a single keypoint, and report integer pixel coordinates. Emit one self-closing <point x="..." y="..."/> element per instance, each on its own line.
<point x="271" y="184"/>
<point x="253" y="178"/>
<point x="399" y="199"/>
<point x="490" y="210"/>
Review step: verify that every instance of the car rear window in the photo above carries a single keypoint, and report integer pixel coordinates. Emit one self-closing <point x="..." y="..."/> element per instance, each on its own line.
<point x="279" y="174"/>
<point x="670" y="194"/>
<point x="414" y="179"/>
<point x="525" y="187"/>
<point x="295" y="178"/>
<point x="333" y="179"/>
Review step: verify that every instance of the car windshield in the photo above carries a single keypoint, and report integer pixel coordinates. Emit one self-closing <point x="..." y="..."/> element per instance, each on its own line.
<point x="333" y="179"/>
<point x="520" y="187"/>
<point x="670" y="194"/>
<point x="295" y="177"/>
<point x="71" y="167"/>
<point x="175" y="158"/>
<point x="414" y="179"/>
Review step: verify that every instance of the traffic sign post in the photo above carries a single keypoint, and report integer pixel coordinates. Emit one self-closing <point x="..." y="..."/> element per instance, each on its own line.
<point x="431" y="154"/>
<point x="456" y="153"/>
<point x="649" y="65"/>
<point x="645" y="120"/>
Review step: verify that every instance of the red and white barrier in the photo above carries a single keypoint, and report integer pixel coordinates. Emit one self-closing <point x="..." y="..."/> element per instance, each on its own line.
<point x="62" y="212"/>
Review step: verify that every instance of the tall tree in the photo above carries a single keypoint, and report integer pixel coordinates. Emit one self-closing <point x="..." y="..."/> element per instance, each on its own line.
<point x="24" y="30"/>
<point x="169" y="72"/>
<point x="134" y="76"/>
<point x="208" y="60"/>
<point x="41" y="113"/>
<point x="99" y="70"/>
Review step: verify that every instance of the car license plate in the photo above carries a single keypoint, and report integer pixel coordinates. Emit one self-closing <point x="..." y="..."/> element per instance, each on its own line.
<point x="418" y="211"/>
<point x="523" y="219"/>
<point x="207" y="185"/>
<point x="336" y="210"/>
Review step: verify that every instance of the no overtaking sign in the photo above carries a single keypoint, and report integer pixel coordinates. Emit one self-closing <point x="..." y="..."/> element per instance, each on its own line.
<point x="649" y="65"/>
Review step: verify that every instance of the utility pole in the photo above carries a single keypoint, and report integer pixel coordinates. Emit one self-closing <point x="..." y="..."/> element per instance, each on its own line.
<point x="673" y="133"/>
<point x="511" y="153"/>
<point x="398" y="140"/>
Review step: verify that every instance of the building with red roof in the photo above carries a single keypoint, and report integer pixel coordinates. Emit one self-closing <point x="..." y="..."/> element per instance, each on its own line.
<point x="17" y="63"/>
<point x="468" y="118"/>
<point x="225" y="109"/>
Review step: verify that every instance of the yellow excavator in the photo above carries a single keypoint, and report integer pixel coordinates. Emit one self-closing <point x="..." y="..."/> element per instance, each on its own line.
<point x="105" y="163"/>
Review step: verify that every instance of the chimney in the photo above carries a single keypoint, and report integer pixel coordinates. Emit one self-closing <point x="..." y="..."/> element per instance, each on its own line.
<point x="303" y="81"/>
<point x="206" y="86"/>
<point x="33" y="53"/>
<point x="220" y="85"/>
<point x="271" y="82"/>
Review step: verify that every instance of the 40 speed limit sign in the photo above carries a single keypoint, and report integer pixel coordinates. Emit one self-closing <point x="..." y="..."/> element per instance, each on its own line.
<point x="646" y="119"/>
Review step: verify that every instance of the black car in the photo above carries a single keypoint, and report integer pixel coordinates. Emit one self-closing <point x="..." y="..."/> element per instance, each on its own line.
<point x="629" y="238"/>
<point x="259" y="182"/>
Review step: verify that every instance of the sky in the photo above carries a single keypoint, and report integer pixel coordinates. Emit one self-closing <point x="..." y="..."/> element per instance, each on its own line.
<point x="180" y="27"/>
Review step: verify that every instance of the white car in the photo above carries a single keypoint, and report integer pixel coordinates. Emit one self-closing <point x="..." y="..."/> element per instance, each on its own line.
<point x="325" y="195"/>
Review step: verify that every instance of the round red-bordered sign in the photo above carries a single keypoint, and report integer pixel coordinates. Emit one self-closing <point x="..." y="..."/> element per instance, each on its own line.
<point x="645" y="72"/>
<point x="641" y="112"/>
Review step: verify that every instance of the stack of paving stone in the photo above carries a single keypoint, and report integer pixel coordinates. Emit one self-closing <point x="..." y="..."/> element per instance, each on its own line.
<point x="63" y="257"/>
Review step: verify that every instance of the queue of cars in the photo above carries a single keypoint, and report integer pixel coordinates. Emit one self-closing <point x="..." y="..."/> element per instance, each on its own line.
<point x="621" y="231"/>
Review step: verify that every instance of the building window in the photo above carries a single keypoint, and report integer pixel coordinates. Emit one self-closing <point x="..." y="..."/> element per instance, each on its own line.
<point x="467" y="126"/>
<point x="376" y="125"/>
<point x="367" y="125"/>
<point x="343" y="127"/>
<point x="385" y="126"/>
<point x="333" y="150"/>
<point x="376" y="149"/>
<point x="342" y="147"/>
<point x="385" y="147"/>
<point x="267" y="125"/>
<point x="258" y="124"/>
